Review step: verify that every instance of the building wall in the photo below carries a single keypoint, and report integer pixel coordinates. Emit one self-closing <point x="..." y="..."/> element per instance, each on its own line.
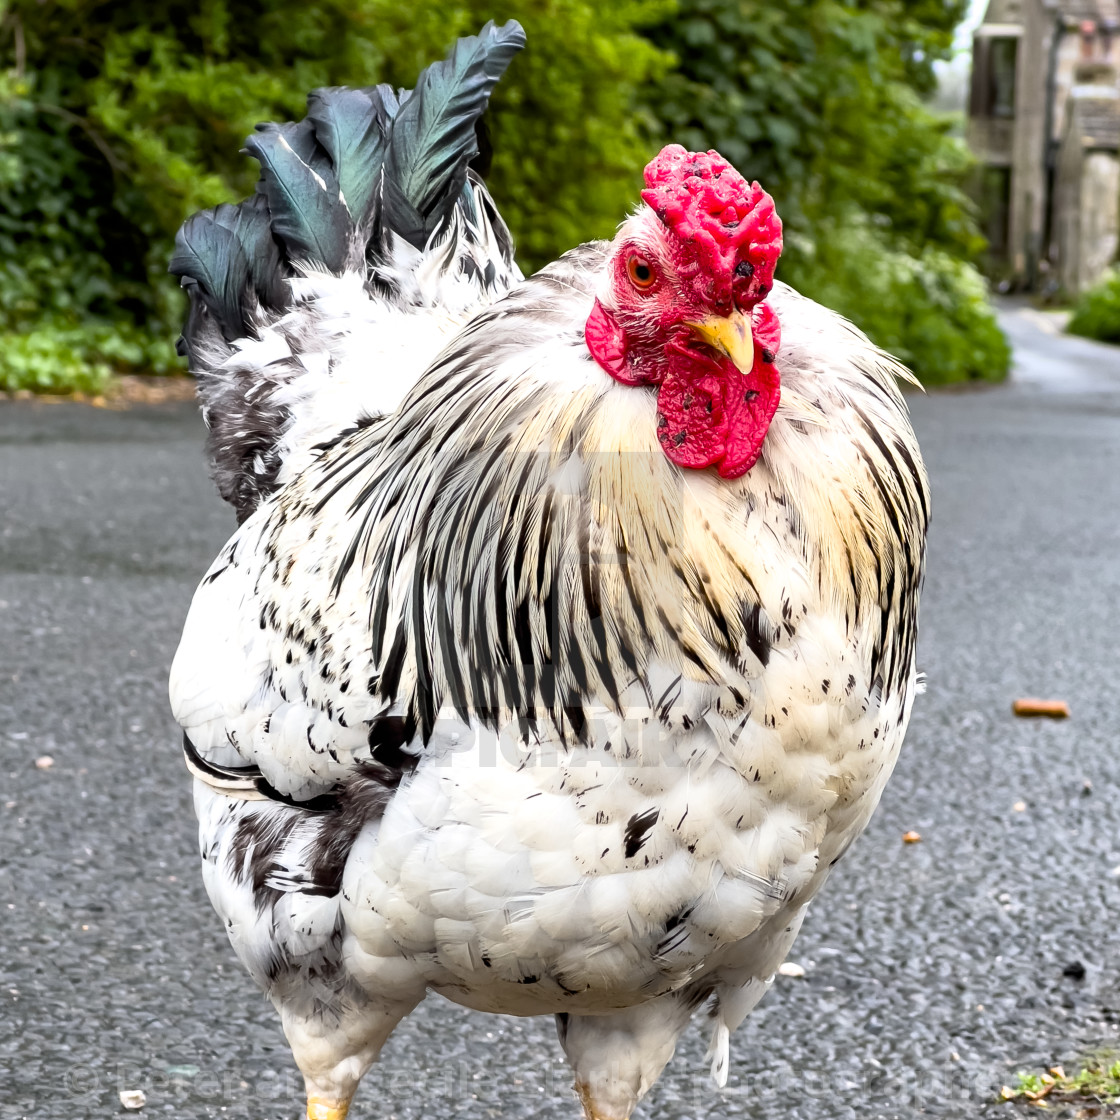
<point x="1100" y="216"/>
<point x="1029" y="185"/>
<point x="1067" y="224"/>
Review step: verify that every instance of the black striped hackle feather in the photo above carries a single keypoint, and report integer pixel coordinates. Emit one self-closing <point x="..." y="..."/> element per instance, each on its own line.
<point x="365" y="171"/>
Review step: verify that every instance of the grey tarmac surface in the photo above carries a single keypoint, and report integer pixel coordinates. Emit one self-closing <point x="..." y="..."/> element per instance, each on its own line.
<point x="933" y="970"/>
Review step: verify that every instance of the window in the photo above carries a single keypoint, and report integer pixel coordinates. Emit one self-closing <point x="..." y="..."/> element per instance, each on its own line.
<point x="993" y="76"/>
<point x="995" y="209"/>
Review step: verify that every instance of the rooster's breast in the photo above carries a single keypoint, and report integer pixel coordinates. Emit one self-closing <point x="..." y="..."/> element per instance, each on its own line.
<point x="528" y="876"/>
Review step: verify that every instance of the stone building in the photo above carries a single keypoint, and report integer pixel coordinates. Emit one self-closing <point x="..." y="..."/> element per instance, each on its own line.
<point x="1044" y="120"/>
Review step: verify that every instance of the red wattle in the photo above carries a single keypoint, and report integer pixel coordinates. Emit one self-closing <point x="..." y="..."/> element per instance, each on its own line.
<point x="692" y="413"/>
<point x="711" y="413"/>
<point x="766" y="331"/>
<point x="758" y="400"/>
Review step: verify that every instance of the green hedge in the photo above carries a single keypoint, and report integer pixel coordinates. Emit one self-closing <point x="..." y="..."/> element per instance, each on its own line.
<point x="118" y="119"/>
<point x="930" y="310"/>
<point x="1097" y="312"/>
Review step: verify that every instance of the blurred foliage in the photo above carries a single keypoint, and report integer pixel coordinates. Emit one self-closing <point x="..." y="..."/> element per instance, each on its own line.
<point x="71" y="302"/>
<point x="1096" y="314"/>
<point x="927" y="307"/>
<point x="118" y="119"/>
<point x="819" y="101"/>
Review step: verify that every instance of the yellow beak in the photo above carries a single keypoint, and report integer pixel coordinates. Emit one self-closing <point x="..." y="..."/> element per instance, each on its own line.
<point x="730" y="335"/>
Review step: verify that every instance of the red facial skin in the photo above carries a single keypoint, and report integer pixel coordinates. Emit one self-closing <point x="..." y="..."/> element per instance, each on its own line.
<point x="716" y="245"/>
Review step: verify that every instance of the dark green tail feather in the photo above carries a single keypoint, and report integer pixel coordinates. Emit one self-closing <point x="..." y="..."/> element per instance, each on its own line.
<point x="299" y="182"/>
<point x="225" y="256"/>
<point x="353" y="128"/>
<point x="266" y="265"/>
<point x="363" y="164"/>
<point x="209" y="256"/>
<point x="433" y="137"/>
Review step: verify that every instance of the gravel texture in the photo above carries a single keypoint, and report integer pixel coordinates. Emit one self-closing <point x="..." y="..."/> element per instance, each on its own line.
<point x="934" y="970"/>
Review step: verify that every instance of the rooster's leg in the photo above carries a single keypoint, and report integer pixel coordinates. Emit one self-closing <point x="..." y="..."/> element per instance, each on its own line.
<point x="334" y="1051"/>
<point x="616" y="1058"/>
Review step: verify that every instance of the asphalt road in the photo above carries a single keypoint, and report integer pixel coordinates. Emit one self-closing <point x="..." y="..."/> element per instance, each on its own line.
<point x="933" y="970"/>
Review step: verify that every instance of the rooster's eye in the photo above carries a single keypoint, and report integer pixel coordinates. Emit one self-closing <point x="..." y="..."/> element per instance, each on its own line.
<point x="641" y="273"/>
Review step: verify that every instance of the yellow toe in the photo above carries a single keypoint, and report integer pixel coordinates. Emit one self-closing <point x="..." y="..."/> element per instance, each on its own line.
<point x="320" y="1109"/>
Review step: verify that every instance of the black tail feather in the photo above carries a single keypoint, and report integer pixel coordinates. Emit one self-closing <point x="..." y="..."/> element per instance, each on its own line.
<point x="267" y="268"/>
<point x="301" y="187"/>
<point x="353" y="128"/>
<point x="433" y="137"/>
<point x="209" y="258"/>
<point x="227" y="257"/>
<point x="364" y="164"/>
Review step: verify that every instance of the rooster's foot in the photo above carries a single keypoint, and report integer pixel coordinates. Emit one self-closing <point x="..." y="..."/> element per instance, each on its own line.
<point x="319" y="1108"/>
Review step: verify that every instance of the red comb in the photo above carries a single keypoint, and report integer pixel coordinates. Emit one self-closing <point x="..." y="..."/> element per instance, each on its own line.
<point x="733" y="233"/>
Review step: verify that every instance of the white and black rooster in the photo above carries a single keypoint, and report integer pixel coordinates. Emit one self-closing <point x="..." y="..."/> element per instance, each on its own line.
<point x="567" y="639"/>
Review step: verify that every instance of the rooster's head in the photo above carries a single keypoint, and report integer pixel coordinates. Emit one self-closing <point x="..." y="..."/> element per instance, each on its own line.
<point x="681" y="308"/>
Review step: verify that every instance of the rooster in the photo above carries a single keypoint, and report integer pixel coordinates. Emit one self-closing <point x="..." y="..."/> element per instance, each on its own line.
<point x="567" y="639"/>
